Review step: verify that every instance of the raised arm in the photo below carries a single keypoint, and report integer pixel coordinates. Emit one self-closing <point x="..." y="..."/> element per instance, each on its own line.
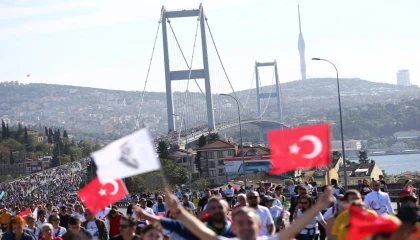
<point x="140" y="213"/>
<point x="324" y="201"/>
<point x="192" y="223"/>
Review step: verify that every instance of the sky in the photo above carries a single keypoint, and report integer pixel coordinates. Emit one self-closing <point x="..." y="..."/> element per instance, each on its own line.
<point x="108" y="43"/>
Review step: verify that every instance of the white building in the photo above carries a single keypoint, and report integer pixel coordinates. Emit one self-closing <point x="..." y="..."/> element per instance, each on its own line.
<point x="407" y="134"/>
<point x="348" y="145"/>
<point x="403" y="77"/>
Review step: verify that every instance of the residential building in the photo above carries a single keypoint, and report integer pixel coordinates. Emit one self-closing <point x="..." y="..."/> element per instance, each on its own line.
<point x="412" y="134"/>
<point x="321" y="176"/>
<point x="351" y="147"/>
<point x="213" y="160"/>
<point x="403" y="77"/>
<point x="185" y="158"/>
<point x="358" y="171"/>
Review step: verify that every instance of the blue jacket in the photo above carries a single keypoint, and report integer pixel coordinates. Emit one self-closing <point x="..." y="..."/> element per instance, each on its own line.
<point x="11" y="236"/>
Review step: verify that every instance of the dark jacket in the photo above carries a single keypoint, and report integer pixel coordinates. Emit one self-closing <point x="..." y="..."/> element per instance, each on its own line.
<point x="11" y="236"/>
<point x="103" y="231"/>
<point x="84" y="235"/>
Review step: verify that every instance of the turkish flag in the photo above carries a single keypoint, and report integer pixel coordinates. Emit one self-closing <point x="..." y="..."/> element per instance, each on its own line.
<point x="364" y="224"/>
<point x="297" y="148"/>
<point x="25" y="213"/>
<point x="97" y="195"/>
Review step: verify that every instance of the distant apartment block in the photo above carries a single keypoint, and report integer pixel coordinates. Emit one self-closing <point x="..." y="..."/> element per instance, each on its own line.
<point x="407" y="134"/>
<point x="403" y="77"/>
<point x="348" y="145"/>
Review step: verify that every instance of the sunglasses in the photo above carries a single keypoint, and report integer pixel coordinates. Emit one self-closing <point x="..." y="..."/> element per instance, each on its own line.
<point x="252" y="197"/>
<point x="123" y="226"/>
<point x="56" y="219"/>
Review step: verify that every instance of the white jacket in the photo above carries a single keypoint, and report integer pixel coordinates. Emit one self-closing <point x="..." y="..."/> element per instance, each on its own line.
<point x="379" y="202"/>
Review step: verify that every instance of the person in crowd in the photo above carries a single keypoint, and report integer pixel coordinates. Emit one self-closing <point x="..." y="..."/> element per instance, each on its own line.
<point x="127" y="226"/>
<point x="64" y="217"/>
<point x="311" y="230"/>
<point x="280" y="197"/>
<point x="186" y="202"/>
<point x="195" y="199"/>
<point x="142" y="222"/>
<point x="408" y="189"/>
<point x="113" y="218"/>
<point x="291" y="188"/>
<point x="301" y="190"/>
<point x="41" y="217"/>
<point x="203" y="201"/>
<point x="31" y="227"/>
<point x="308" y="187"/>
<point x="365" y="188"/>
<point x="384" y="187"/>
<point x="260" y="190"/>
<point x="4" y="218"/>
<point x="58" y="231"/>
<point x="336" y="208"/>
<point x="338" y="189"/>
<point x="276" y="213"/>
<point x="241" y="201"/>
<point x="410" y="228"/>
<point x="159" y="207"/>
<point x="378" y="200"/>
<point x="95" y="226"/>
<point x="267" y="222"/>
<point x="15" y="230"/>
<point x="152" y="232"/>
<point x="47" y="232"/>
<point x="134" y="202"/>
<point x="76" y="231"/>
<point x="229" y="194"/>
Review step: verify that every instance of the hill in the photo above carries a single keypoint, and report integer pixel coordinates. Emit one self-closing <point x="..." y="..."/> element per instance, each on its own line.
<point x="108" y="114"/>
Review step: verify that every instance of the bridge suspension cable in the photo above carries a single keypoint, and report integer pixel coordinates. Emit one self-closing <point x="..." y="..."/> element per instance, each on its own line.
<point x="249" y="92"/>
<point x="148" y="71"/>
<point x="221" y="62"/>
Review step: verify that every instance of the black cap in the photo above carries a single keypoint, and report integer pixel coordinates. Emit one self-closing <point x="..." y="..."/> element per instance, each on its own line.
<point x="143" y="200"/>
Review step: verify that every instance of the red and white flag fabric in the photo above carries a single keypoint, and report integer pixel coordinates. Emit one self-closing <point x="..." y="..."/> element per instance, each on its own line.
<point x="364" y="224"/>
<point x="25" y="213"/>
<point x="297" y="148"/>
<point x="97" y="195"/>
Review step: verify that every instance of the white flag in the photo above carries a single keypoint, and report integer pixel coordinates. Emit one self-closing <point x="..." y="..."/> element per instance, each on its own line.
<point x="126" y="157"/>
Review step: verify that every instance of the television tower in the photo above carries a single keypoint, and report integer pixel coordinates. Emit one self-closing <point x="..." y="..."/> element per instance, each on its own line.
<point x="301" y="47"/>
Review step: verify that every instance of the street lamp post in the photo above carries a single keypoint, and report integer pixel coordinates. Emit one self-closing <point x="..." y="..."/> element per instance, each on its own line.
<point x="188" y="153"/>
<point x="240" y="135"/>
<point x="341" y="120"/>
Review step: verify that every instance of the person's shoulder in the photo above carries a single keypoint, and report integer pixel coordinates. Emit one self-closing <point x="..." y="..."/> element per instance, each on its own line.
<point x="371" y="212"/>
<point x="118" y="237"/>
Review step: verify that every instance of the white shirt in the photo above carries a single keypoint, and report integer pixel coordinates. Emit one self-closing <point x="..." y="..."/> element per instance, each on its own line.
<point x="313" y="225"/>
<point x="275" y="212"/>
<point x="59" y="232"/>
<point x="39" y="222"/>
<point x="274" y="237"/>
<point x="229" y="192"/>
<point x="379" y="202"/>
<point x="93" y="229"/>
<point x="190" y="205"/>
<point x="309" y="188"/>
<point x="265" y="219"/>
<point x="329" y="213"/>
<point x="143" y="222"/>
<point x="103" y="213"/>
<point x="291" y="189"/>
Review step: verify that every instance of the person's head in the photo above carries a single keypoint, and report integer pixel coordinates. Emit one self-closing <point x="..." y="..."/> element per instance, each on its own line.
<point x="54" y="220"/>
<point x="127" y="225"/>
<point x="305" y="202"/>
<point x="246" y="224"/>
<point x="358" y="203"/>
<point x="207" y="192"/>
<point x="41" y="214"/>
<point x="49" y="206"/>
<point x="54" y="211"/>
<point x="159" y="199"/>
<point x="241" y="199"/>
<point x="47" y="230"/>
<point x="365" y="182"/>
<point x="409" y="201"/>
<point x="217" y="208"/>
<point x="185" y="197"/>
<point x="334" y="182"/>
<point x="152" y="232"/>
<point x="63" y="210"/>
<point x="407" y="181"/>
<point x="253" y="198"/>
<point x="135" y="199"/>
<point x="69" y="210"/>
<point x="229" y="186"/>
<point x="279" y="190"/>
<point x="376" y="186"/>
<point x="143" y="202"/>
<point x="74" y="225"/>
<point x="195" y="195"/>
<point x="269" y="202"/>
<point x="302" y="190"/>
<point x="112" y="213"/>
<point x="351" y="195"/>
<point x="381" y="177"/>
<point x="88" y="215"/>
<point x="30" y="220"/>
<point x="16" y="224"/>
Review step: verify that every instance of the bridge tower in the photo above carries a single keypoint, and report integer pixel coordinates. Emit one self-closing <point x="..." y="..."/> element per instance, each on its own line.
<point x="187" y="74"/>
<point x="275" y="94"/>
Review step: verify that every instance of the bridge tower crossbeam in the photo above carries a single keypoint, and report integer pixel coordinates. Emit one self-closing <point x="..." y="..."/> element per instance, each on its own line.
<point x="187" y="74"/>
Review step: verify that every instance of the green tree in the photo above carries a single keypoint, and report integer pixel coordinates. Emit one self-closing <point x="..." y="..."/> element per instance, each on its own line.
<point x="3" y="129"/>
<point x="25" y="136"/>
<point x="363" y="157"/>
<point x="162" y="150"/>
<point x="201" y="183"/>
<point x="55" y="162"/>
<point x="213" y="137"/>
<point x="46" y="131"/>
<point x="65" y="135"/>
<point x="7" y="131"/>
<point x="202" y="141"/>
<point x="19" y="131"/>
<point x="91" y="170"/>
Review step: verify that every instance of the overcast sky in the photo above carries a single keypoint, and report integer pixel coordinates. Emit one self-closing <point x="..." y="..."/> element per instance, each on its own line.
<point x="108" y="43"/>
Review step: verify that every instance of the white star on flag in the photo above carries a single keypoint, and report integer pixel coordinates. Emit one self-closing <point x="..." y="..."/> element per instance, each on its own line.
<point x="294" y="149"/>
<point x="102" y="192"/>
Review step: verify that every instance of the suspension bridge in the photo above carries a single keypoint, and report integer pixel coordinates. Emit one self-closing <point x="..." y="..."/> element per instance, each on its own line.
<point x="195" y="79"/>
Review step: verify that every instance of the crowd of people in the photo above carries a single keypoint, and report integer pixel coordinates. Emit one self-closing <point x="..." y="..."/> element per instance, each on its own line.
<point x="173" y="136"/>
<point x="230" y="213"/>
